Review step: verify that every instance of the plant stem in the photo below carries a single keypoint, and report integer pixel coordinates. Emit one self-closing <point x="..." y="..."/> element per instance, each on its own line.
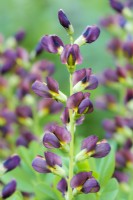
<point x="71" y="153"/>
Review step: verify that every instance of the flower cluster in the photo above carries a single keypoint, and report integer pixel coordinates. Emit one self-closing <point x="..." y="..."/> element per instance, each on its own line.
<point x="76" y="106"/>
<point x="120" y="79"/>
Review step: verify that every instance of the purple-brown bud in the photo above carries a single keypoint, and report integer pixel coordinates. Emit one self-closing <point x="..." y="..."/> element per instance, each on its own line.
<point x="52" y="44"/>
<point x="117" y="5"/>
<point x="90" y="34"/>
<point x="11" y="163"/>
<point x="9" y="189"/>
<point x="65" y="22"/>
<point x="84" y="182"/>
<point x="71" y="56"/>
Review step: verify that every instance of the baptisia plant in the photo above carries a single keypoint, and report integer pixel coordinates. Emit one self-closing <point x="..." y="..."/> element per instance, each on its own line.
<point x="76" y="105"/>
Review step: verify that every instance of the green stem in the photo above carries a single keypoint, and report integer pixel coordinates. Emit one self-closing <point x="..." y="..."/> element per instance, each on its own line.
<point x="71" y="152"/>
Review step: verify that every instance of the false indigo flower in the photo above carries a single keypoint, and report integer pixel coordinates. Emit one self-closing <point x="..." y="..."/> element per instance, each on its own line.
<point x="107" y="101"/>
<point x="11" y="163"/>
<point x="80" y="103"/>
<point x="84" y="80"/>
<point x="52" y="44"/>
<point x="49" y="90"/>
<point x="47" y="106"/>
<point x="65" y="22"/>
<point x="117" y="5"/>
<point x="92" y="148"/>
<point x="56" y="137"/>
<point x="121" y="176"/>
<point x="9" y="189"/>
<point x="62" y="186"/>
<point x="19" y="36"/>
<point x="90" y="34"/>
<point x="51" y="163"/>
<point x="84" y="182"/>
<point x="25" y="138"/>
<point x="71" y="56"/>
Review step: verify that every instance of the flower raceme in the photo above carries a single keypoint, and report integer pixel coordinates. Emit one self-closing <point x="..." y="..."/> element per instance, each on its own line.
<point x="77" y="105"/>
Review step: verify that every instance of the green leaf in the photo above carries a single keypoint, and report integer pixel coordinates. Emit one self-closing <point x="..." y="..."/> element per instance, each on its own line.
<point x="110" y="191"/>
<point x="43" y="191"/>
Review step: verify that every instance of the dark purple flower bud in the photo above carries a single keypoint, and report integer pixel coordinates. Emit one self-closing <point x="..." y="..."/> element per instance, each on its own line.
<point x="52" y="159"/>
<point x="11" y="163"/>
<point x="74" y="100"/>
<point x="109" y="125"/>
<point x="121" y="72"/>
<point x="83" y="79"/>
<point x="129" y="96"/>
<point x="80" y="178"/>
<point x="9" y="189"/>
<point x="89" y="143"/>
<point x="102" y="149"/>
<point x="128" y="49"/>
<point x="39" y="49"/>
<point x="65" y="116"/>
<point x="52" y="44"/>
<point x="71" y="56"/>
<point x="116" y="5"/>
<point x="25" y="138"/>
<point x="90" y="34"/>
<point x="51" y="141"/>
<point x="24" y="112"/>
<point x="90" y="186"/>
<point x="49" y="90"/>
<point x="52" y="85"/>
<point x="19" y="36"/>
<point x="107" y="101"/>
<point x="65" y="22"/>
<point x="110" y="75"/>
<point x="39" y="164"/>
<point x="84" y="182"/>
<point x="56" y="137"/>
<point x="85" y="106"/>
<point x="47" y="106"/>
<point x="115" y="46"/>
<point x="121" y="176"/>
<point x="41" y="89"/>
<point x="128" y="144"/>
<point x="62" y="186"/>
<point x="120" y="160"/>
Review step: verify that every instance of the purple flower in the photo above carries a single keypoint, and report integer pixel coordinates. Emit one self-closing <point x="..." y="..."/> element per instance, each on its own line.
<point x="9" y="189"/>
<point x="49" y="90"/>
<point x="62" y="186"/>
<point x="25" y="138"/>
<point x="116" y="5"/>
<point x="107" y="101"/>
<point x="11" y="163"/>
<point x="24" y="112"/>
<point x="71" y="56"/>
<point x="84" y="80"/>
<point x="56" y="137"/>
<point x="84" y="182"/>
<point x="80" y="103"/>
<point x="50" y="163"/>
<point x="92" y="148"/>
<point x="64" y="21"/>
<point x="52" y="44"/>
<point x="19" y="36"/>
<point x="90" y="34"/>
<point x="121" y="176"/>
<point x="47" y="106"/>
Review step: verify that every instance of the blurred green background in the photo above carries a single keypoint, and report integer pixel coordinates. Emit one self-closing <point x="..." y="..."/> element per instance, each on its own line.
<point x="39" y="17"/>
